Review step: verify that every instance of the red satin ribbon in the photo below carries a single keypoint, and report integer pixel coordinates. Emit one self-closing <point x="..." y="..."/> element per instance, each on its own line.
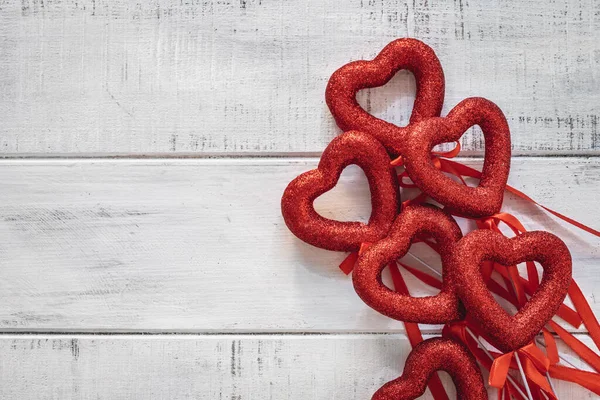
<point x="551" y="348"/>
<point x="587" y="315"/>
<point x="530" y="285"/>
<point x="423" y="276"/>
<point x="464" y="170"/>
<point x="588" y="380"/>
<point x="348" y="264"/>
<point x="577" y="346"/>
<point x="534" y="362"/>
<point x="414" y="333"/>
<point x="583" y="310"/>
<point x="458" y="331"/>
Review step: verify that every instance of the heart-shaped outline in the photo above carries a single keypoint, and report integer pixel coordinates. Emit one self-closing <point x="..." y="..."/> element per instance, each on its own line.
<point x="366" y="277"/>
<point x="511" y="332"/>
<point x="482" y="200"/>
<point x="428" y="357"/>
<point x="410" y="54"/>
<point x="297" y="202"/>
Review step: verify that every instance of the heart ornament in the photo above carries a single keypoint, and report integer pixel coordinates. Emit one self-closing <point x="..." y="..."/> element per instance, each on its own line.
<point x="410" y="54"/>
<point x="429" y="356"/>
<point x="366" y="277"/>
<point x="483" y="200"/>
<point x="508" y="332"/>
<point x="297" y="202"/>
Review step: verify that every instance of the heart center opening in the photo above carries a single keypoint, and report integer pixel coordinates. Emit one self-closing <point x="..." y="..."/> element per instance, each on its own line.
<point x="474" y="142"/>
<point x="419" y="261"/>
<point x="349" y="200"/>
<point x="392" y="102"/>
<point x="448" y="384"/>
<point x="507" y="293"/>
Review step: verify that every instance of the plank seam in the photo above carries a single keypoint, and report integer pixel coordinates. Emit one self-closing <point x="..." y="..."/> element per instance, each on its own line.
<point x="219" y="333"/>
<point x="234" y="155"/>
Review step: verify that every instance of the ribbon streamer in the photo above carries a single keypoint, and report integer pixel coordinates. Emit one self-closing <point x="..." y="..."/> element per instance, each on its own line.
<point x="413" y="332"/>
<point x="464" y="170"/>
<point x="537" y="366"/>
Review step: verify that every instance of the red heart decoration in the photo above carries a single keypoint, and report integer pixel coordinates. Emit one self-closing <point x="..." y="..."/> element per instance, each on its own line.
<point x="508" y="332"/>
<point x="412" y="221"/>
<point x="297" y="203"/>
<point x="428" y="357"/>
<point x="410" y="54"/>
<point x="483" y="200"/>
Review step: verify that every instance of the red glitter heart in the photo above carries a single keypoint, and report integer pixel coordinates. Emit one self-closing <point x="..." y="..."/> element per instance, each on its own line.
<point x="412" y="221"/>
<point x="483" y="200"/>
<point x="428" y="357"/>
<point x="511" y="332"/>
<point x="410" y="54"/>
<point x="297" y="203"/>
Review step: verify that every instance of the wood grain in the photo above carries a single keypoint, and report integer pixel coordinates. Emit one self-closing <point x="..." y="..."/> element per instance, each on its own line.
<point x="200" y="245"/>
<point x="100" y="77"/>
<point x="210" y="367"/>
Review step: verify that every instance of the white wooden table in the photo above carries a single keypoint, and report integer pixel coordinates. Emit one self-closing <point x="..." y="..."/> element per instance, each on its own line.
<point x="146" y="148"/>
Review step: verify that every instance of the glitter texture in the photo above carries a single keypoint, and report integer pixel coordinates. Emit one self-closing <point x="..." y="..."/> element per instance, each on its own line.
<point x="511" y="332"/>
<point x="486" y="198"/>
<point x="428" y="357"/>
<point x="413" y="221"/>
<point x="410" y="54"/>
<point x="297" y="203"/>
<point x="369" y="143"/>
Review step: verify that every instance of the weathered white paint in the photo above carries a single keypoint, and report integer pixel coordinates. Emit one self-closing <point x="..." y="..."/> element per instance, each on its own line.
<point x="209" y="367"/>
<point x="248" y="76"/>
<point x="200" y="245"/>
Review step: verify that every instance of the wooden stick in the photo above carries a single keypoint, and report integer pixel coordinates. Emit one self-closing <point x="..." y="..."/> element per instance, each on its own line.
<point x="485" y="350"/>
<point x="523" y="375"/>
<point x="435" y="271"/>
<point x="559" y="356"/>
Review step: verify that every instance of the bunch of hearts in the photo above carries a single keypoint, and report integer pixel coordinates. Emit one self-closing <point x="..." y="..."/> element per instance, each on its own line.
<point x="475" y="267"/>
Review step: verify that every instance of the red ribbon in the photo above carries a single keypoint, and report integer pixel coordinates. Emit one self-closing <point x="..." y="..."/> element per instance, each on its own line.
<point x="535" y="363"/>
<point x="587" y="315"/>
<point x="583" y="312"/>
<point x="588" y="380"/>
<point x="414" y="333"/>
<point x="463" y="170"/>
<point x="577" y="346"/>
<point x="458" y="331"/>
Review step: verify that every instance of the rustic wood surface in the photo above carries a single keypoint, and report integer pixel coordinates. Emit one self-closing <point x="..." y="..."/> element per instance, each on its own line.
<point x="200" y="245"/>
<point x="273" y="367"/>
<point x="190" y="250"/>
<point x="248" y="76"/>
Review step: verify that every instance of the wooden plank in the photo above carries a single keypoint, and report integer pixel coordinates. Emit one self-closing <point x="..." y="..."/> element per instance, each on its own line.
<point x="101" y="77"/>
<point x="200" y="245"/>
<point x="209" y="367"/>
